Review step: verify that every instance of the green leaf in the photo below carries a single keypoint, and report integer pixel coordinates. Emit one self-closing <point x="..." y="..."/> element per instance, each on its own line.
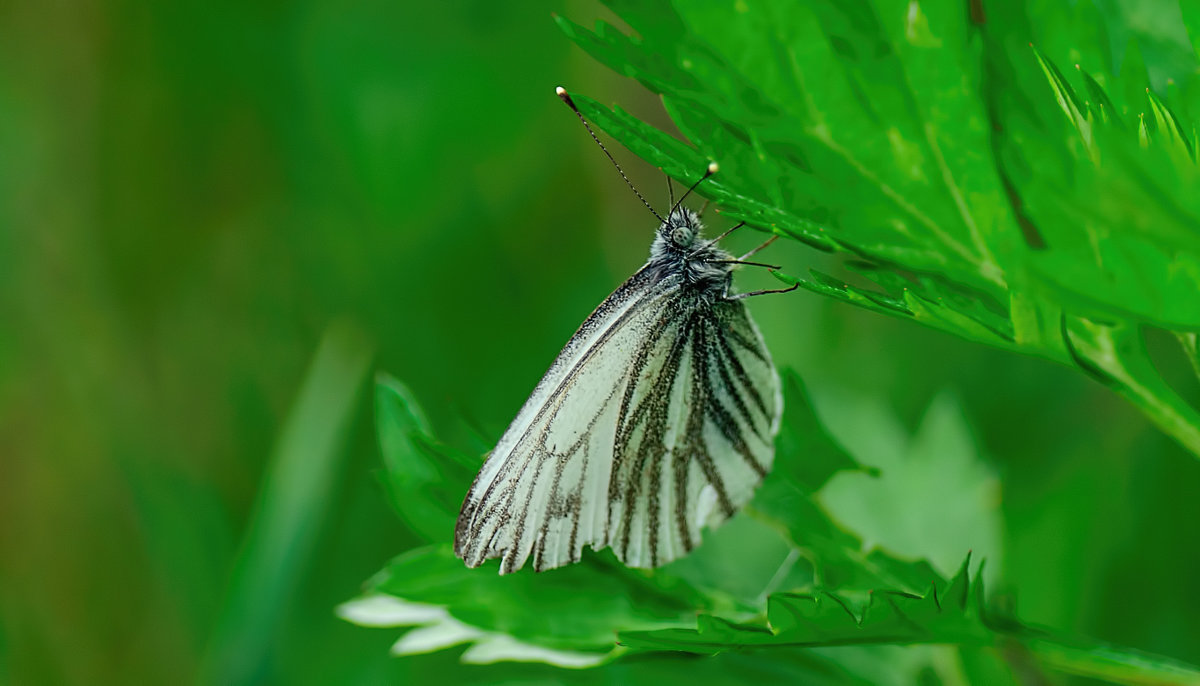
<point x="960" y="171"/>
<point x="813" y="456"/>
<point x="282" y="533"/>
<point x="1115" y="665"/>
<point x="1122" y="227"/>
<point x="578" y="607"/>
<point x="824" y="284"/>
<point x="953" y="613"/>
<point x="893" y="510"/>
<point x="785" y="501"/>
<point x="568" y="617"/>
<point x="425" y="481"/>
<point x="946" y="613"/>
<point x="785" y="152"/>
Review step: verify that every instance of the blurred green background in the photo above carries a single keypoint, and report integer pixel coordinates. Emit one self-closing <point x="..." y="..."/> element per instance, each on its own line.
<point x="192" y="194"/>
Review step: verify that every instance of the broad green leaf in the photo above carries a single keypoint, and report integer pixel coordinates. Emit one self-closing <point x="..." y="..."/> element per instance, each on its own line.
<point x="1122" y="225"/>
<point x="959" y="169"/>
<point x="778" y="146"/>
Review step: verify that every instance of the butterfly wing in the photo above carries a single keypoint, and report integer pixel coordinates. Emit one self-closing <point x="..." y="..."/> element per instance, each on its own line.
<point x="543" y="490"/>
<point x="696" y="434"/>
<point x="656" y="419"/>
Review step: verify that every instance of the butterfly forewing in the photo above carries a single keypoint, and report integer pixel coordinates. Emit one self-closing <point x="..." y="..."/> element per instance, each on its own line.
<point x="656" y="420"/>
<point x="545" y="485"/>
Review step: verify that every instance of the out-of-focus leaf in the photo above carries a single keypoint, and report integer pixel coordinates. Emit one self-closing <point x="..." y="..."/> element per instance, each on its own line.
<point x="424" y="480"/>
<point x="1109" y="663"/>
<point x="894" y="511"/>
<point x="730" y="669"/>
<point x="813" y="455"/>
<point x="828" y="518"/>
<point x="785" y="501"/>
<point x="302" y="473"/>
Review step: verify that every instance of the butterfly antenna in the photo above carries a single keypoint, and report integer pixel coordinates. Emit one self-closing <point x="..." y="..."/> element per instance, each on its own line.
<point x="565" y="97"/>
<point x="712" y="169"/>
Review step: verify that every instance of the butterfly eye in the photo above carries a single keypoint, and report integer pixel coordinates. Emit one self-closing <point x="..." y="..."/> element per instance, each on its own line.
<point x="681" y="236"/>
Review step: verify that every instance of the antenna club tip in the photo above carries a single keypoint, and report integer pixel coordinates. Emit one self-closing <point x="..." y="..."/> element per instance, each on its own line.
<point x="566" y="97"/>
<point x="713" y="167"/>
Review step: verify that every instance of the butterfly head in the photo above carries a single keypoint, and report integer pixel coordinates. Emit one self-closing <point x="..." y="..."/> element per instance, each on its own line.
<point x="679" y="233"/>
<point x="679" y="249"/>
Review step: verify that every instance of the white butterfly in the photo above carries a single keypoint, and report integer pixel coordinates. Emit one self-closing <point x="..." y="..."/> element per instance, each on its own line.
<point x="658" y="418"/>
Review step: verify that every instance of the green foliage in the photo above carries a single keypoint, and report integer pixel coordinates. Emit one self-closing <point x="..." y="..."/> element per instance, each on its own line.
<point x="919" y="141"/>
<point x="953" y="614"/>
<point x="838" y="557"/>
<point x="569" y="616"/>
<point x="579" y="608"/>
<point x="423" y="480"/>
<point x="191" y="193"/>
<point x="941" y="458"/>
<point x="964" y="184"/>
<point x="282" y="533"/>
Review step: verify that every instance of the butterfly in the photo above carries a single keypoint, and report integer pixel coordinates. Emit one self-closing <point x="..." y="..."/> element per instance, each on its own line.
<point x="656" y="420"/>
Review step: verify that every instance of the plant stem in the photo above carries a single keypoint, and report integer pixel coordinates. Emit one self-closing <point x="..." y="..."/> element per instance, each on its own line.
<point x="1190" y="342"/>
<point x="1116" y="355"/>
<point x="1122" y="666"/>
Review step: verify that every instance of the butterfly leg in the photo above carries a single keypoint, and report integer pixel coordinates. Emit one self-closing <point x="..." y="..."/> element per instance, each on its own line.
<point x="714" y="241"/>
<point x="769" y="241"/>
<point x="741" y="296"/>
<point x="743" y="263"/>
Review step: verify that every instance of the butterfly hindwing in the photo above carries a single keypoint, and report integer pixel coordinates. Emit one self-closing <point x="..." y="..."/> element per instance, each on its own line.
<point x="696" y="437"/>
